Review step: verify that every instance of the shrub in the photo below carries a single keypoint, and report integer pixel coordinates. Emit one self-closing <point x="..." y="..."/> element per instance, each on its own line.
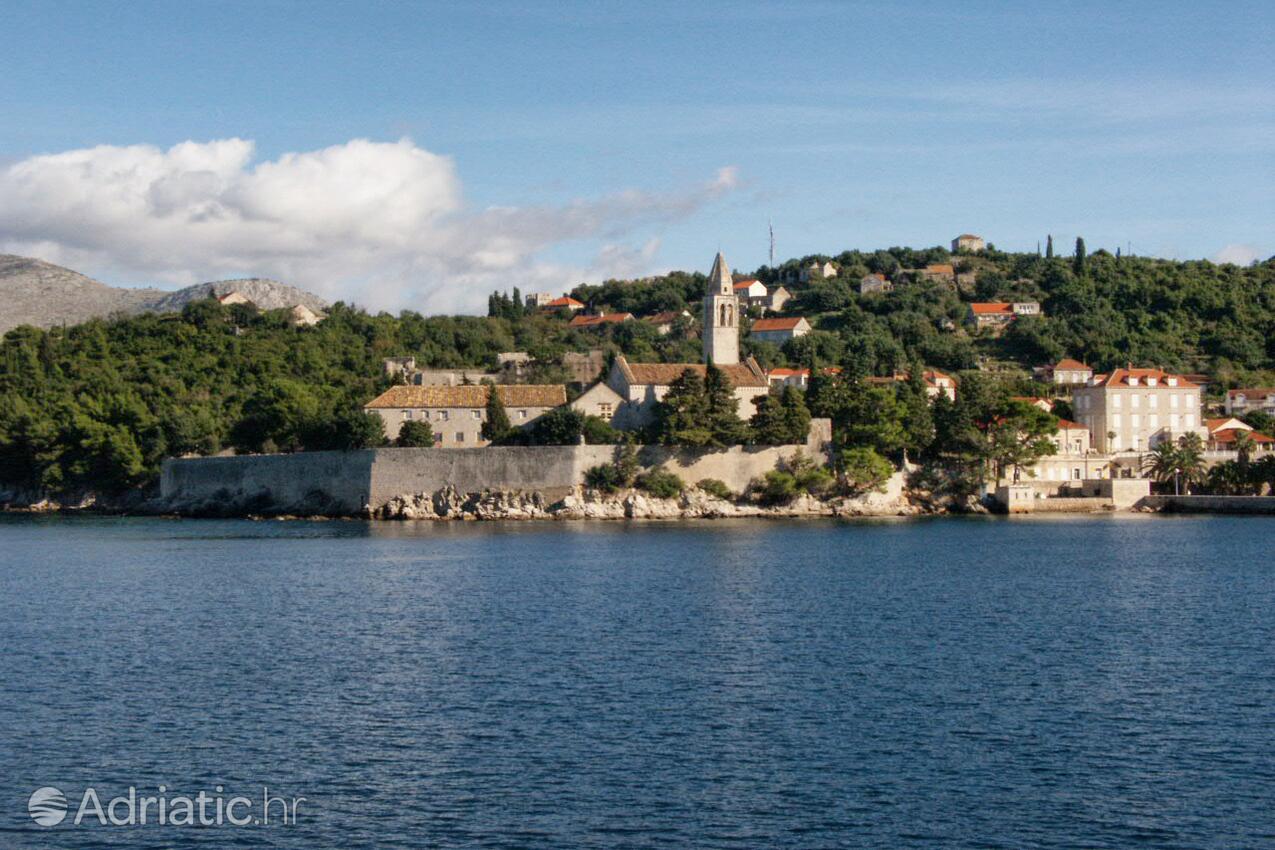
<point x="604" y="477"/>
<point x="777" y="487"/>
<point x="660" y="483"/>
<point x="414" y="434"/>
<point x="715" y="488"/>
<point x="808" y="476"/>
<point x="863" y="469"/>
<point x="598" y="432"/>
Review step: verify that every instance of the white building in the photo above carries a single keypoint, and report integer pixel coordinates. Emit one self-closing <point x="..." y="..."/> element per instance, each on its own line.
<point x="1132" y="410"/>
<point x="1239" y="402"/>
<point x="968" y="242"/>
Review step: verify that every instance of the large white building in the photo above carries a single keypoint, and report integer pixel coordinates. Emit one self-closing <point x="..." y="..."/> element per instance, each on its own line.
<point x="1132" y="410"/>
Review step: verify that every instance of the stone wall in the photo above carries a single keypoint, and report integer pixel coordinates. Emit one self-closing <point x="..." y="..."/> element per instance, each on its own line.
<point x="1210" y="504"/>
<point x="350" y="483"/>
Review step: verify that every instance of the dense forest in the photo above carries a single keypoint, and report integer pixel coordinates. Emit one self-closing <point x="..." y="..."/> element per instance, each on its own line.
<point x="99" y="405"/>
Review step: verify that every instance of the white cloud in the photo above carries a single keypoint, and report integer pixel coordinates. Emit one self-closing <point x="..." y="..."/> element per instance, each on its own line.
<point x="1240" y="255"/>
<point x="381" y="224"/>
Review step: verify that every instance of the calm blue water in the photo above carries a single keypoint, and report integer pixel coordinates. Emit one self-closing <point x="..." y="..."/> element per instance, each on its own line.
<point x="1096" y="682"/>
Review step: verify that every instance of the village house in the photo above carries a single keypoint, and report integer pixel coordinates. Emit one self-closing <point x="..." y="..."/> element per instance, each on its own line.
<point x="998" y="314"/>
<point x="536" y="300"/>
<point x="936" y="383"/>
<point x="302" y="316"/>
<point x="1067" y="373"/>
<point x="1239" y="402"/>
<point x="777" y="299"/>
<point x="939" y="273"/>
<point x="599" y="321"/>
<point x="226" y="299"/>
<point x="663" y="322"/>
<point x="781" y="377"/>
<point x="751" y="292"/>
<point x="1132" y="410"/>
<point x="566" y="302"/>
<point x="599" y="400"/>
<point x="968" y="242"/>
<point x="456" y="414"/>
<point x="642" y="385"/>
<point x="875" y="283"/>
<point x="1073" y="459"/>
<point x="817" y="271"/>
<point x="779" y="330"/>
<point x="1035" y="401"/>
<point x="1224" y="431"/>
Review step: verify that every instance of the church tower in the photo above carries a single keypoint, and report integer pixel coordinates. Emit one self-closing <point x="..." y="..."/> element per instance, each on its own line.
<point x="721" y="316"/>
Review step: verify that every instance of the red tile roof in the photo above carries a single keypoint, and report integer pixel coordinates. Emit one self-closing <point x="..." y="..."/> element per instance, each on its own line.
<point x="1122" y="376"/>
<point x="1068" y="425"/>
<point x="940" y="268"/>
<point x="595" y="321"/>
<point x="565" y="301"/>
<point x="471" y="396"/>
<point x="776" y="324"/>
<point x="747" y="374"/>
<point x="992" y="308"/>
<point x="1069" y="364"/>
<point x="1251" y="391"/>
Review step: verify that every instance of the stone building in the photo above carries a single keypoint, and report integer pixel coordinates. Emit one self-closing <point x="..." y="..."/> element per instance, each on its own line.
<point x="1132" y="410"/>
<point x="779" y="330"/>
<point x="875" y="283"/>
<point x="456" y="413"/>
<point x="968" y="242"/>
<point x="721" y="316"/>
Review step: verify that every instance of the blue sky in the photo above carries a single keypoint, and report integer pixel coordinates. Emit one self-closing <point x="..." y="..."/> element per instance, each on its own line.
<point x="605" y="128"/>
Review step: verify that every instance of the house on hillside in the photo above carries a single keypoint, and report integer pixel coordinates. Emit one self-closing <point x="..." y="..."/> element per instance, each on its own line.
<point x="227" y="299"/>
<point x="940" y="273"/>
<point x="641" y="385"/>
<point x="875" y="283"/>
<point x="816" y="270"/>
<point x="456" y="414"/>
<point x="936" y="383"/>
<point x="998" y="314"/>
<point x="1035" y="401"/>
<point x="663" y="322"/>
<point x="968" y="242"/>
<point x="302" y="316"/>
<point x="778" y="298"/>
<point x="566" y="302"/>
<point x="751" y="292"/>
<point x="1067" y="373"/>
<point x="779" y="330"/>
<point x="595" y="322"/>
<point x="1239" y="402"/>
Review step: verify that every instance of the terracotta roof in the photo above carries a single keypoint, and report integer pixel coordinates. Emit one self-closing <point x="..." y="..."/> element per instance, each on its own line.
<point x="1252" y="391"/>
<point x="992" y="308"/>
<point x="564" y="301"/>
<point x="875" y="275"/>
<point x="968" y="236"/>
<point x="745" y="282"/>
<point x="747" y="374"/>
<point x="473" y="395"/>
<point x="783" y="372"/>
<point x="662" y="318"/>
<point x="1068" y="363"/>
<point x="1122" y="376"/>
<point x="1068" y="425"/>
<point x="1228" y="435"/>
<point x="1223" y="422"/>
<point x="594" y="321"/>
<point x="940" y="268"/>
<point x="776" y="324"/>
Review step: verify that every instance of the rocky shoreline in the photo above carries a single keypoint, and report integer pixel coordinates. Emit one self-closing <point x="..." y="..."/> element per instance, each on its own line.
<point x="448" y="504"/>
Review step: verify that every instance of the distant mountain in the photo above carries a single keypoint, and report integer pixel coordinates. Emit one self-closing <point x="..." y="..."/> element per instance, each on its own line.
<point x="33" y="292"/>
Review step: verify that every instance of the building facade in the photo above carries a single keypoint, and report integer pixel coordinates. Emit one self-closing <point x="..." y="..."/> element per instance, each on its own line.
<point x="721" y="316"/>
<point x="1239" y="402"/>
<point x="779" y="331"/>
<point x="1132" y="410"/>
<point x="456" y="414"/>
<point x="968" y="242"/>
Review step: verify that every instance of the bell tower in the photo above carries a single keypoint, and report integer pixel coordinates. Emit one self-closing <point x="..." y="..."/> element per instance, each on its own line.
<point x="721" y="316"/>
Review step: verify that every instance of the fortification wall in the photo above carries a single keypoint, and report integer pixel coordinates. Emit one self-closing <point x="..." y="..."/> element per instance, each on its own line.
<point x="1210" y="504"/>
<point x="350" y="483"/>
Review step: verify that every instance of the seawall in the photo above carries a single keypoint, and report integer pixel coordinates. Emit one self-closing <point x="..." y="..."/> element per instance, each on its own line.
<point x="1210" y="504"/>
<point x="360" y="483"/>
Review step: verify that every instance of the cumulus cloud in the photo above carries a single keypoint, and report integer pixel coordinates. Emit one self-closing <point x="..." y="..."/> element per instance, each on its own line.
<point x="381" y="224"/>
<point x="1240" y="255"/>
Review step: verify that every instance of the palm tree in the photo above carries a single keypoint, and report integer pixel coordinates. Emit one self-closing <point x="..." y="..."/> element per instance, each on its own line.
<point x="1161" y="463"/>
<point x="1190" y="459"/>
<point x="1244" y="446"/>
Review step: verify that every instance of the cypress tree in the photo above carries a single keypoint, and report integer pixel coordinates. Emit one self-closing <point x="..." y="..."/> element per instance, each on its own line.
<point x="496" y="426"/>
<point x="1078" y="263"/>
<point x="1049" y="247"/>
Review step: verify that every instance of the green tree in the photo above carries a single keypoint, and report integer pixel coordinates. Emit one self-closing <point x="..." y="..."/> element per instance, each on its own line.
<point x="1049" y="247"/>
<point x="1162" y="466"/>
<point x="1078" y="261"/>
<point x="1020" y="436"/>
<point x="496" y="426"/>
<point x="415" y="435"/>
<point x="862" y="469"/>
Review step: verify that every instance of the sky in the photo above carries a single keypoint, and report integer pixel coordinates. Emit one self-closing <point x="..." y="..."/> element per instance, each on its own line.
<point x="418" y="156"/>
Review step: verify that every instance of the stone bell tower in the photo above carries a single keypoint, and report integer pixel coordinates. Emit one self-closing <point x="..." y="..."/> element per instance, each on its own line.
<point x="721" y="316"/>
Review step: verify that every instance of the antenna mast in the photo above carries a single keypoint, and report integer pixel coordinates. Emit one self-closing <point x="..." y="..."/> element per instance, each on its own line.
<point x="770" y="226"/>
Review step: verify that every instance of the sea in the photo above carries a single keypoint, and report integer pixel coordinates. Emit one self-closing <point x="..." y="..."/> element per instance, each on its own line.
<point x="989" y="682"/>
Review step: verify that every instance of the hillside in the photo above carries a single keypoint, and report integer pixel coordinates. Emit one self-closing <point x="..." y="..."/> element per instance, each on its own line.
<point x="33" y="292"/>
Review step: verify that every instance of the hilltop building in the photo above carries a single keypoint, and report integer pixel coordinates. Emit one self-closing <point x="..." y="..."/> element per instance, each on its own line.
<point x="781" y="330"/>
<point x="968" y="242"/>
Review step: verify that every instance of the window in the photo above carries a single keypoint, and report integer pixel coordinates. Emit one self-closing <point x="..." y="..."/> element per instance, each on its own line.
<point x="522" y="414"/>
<point x="1190" y="421"/>
<point x="1173" y="421"/>
<point x="1135" y="401"/>
<point x="1153" y="421"/>
<point x="442" y="416"/>
<point x="1151" y="382"/>
<point x="1134" y="420"/>
<point x="1173" y="401"/>
<point x="1188" y="400"/>
<point x="477" y="414"/>
<point x="1115" y="401"/>
<point x="1153" y="401"/>
<point x="1173" y="382"/>
<point x="460" y="436"/>
<point x="1075" y="473"/>
<point x="604" y="409"/>
<point x="407" y="415"/>
<point x="1115" y="420"/>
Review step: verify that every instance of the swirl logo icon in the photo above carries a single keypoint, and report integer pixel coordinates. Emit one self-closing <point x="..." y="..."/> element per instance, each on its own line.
<point x="47" y="806"/>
